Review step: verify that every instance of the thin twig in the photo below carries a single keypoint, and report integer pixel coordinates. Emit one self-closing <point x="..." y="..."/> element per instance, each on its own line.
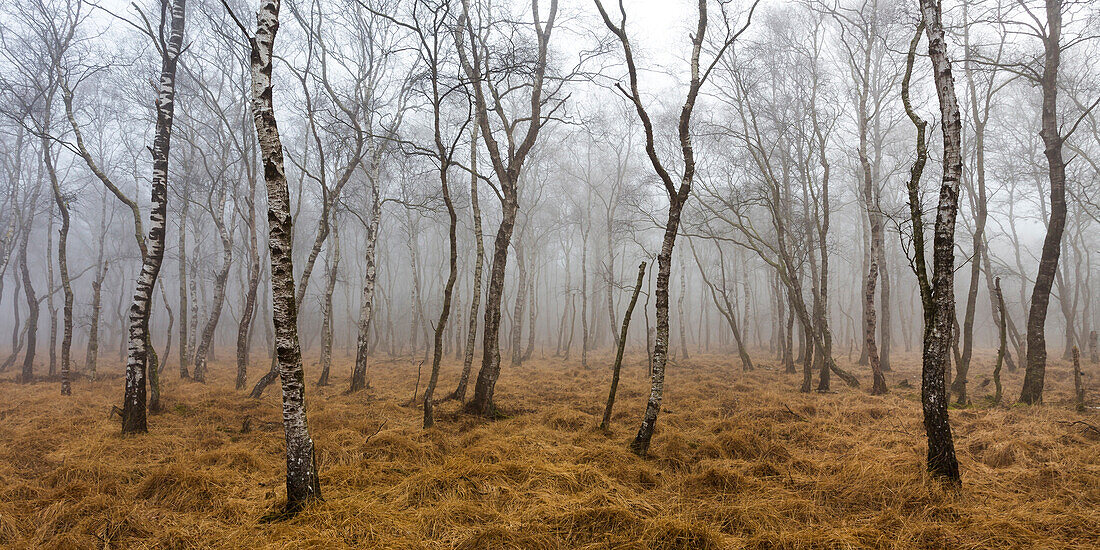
<point x="380" y="426"/>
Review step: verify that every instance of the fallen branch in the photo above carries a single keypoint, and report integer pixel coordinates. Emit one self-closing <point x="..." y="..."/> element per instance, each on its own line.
<point x="380" y="426"/>
<point x="794" y="414"/>
<point x="1087" y="427"/>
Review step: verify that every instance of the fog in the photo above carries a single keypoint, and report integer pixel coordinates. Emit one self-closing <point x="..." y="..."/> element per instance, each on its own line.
<point x="762" y="162"/>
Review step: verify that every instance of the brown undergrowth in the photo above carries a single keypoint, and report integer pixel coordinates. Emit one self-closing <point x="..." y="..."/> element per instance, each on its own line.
<point x="740" y="460"/>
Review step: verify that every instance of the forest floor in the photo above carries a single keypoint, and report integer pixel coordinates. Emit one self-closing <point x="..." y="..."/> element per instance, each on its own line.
<point x="740" y="460"/>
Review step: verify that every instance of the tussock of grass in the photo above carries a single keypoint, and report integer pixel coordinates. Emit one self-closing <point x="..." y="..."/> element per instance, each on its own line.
<point x="739" y="460"/>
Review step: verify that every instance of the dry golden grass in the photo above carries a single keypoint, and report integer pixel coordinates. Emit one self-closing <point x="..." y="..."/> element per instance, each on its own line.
<point x="740" y="460"/>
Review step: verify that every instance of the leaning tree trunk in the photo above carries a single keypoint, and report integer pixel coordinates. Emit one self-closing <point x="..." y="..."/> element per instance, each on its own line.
<point x="302" y="484"/>
<point x="133" y="407"/>
<point x="1052" y="245"/>
<point x="942" y="462"/>
<point x="482" y="402"/>
<point x="620" y="348"/>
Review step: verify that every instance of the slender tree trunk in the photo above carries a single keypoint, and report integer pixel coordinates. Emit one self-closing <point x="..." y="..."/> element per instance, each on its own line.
<point x="879" y="385"/>
<point x="572" y="325"/>
<point x="1078" y="385"/>
<point x="366" y="305"/>
<point x="937" y="336"/>
<point x="192" y="342"/>
<point x="611" y="281"/>
<point x="521" y="303"/>
<point x="871" y="280"/>
<point x="27" y="375"/>
<point x="184" y="336"/>
<point x="168" y="332"/>
<point x="640" y="445"/>
<point x="620" y="348"/>
<point x="479" y="263"/>
<point x="788" y="346"/>
<point x="1034" y="376"/>
<point x="333" y="261"/>
<point x="532" y="316"/>
<point x="302" y="485"/>
<point x="680" y="313"/>
<point x="418" y="308"/>
<point x="1094" y="349"/>
<point x="206" y="344"/>
<point x="584" y="291"/>
<point x="978" y="201"/>
<point x="18" y="329"/>
<point x="63" y="266"/>
<point x="133" y="408"/>
<point x="452" y="263"/>
<point x="1002" y="349"/>
<point x="248" y="312"/>
<point x="51" y="306"/>
<point x="482" y="402"/>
